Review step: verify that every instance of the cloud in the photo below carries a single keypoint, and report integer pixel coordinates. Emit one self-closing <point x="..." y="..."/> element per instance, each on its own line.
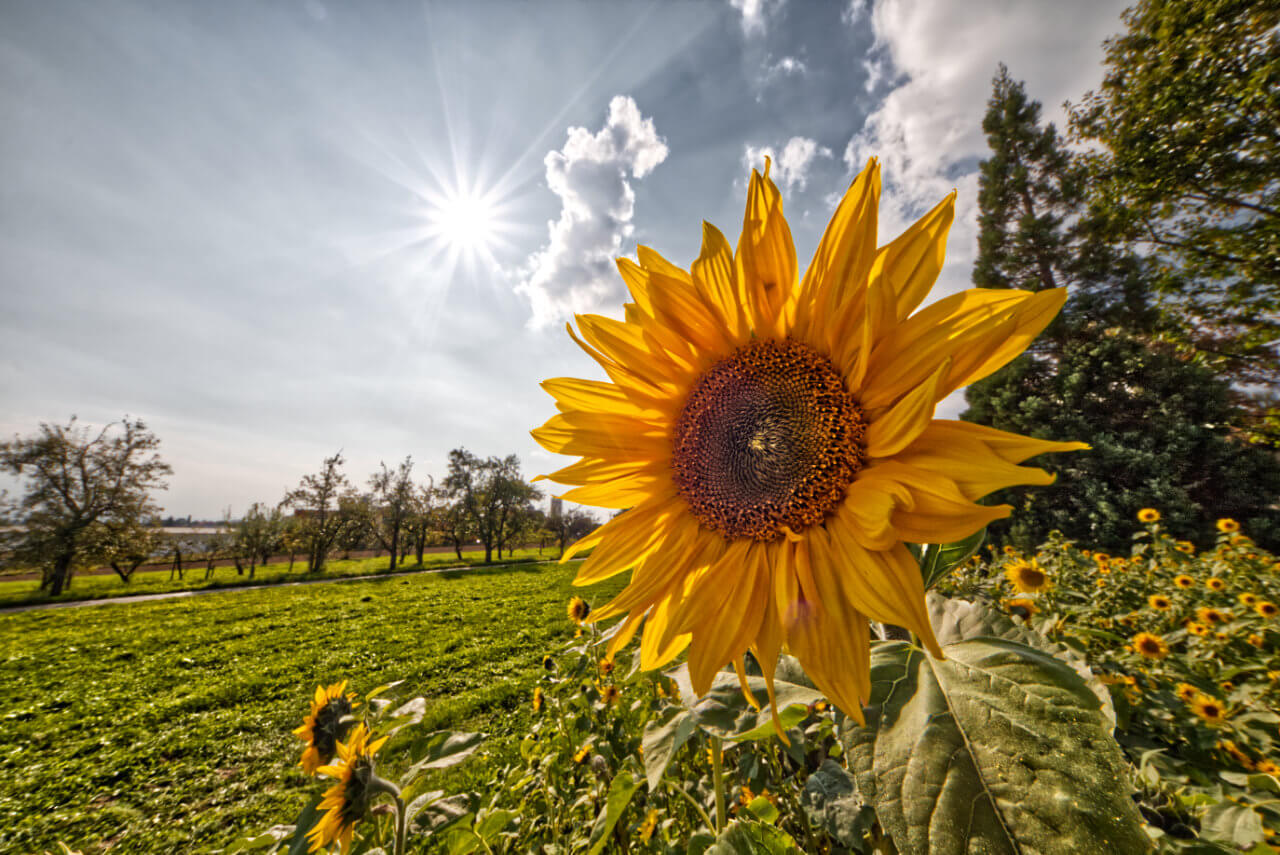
<point x="786" y="65"/>
<point x="791" y="167"/>
<point x="754" y="13"/>
<point x="574" y="271"/>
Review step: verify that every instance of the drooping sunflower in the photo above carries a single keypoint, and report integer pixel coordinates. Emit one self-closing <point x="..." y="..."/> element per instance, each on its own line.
<point x="1021" y="606"/>
<point x="537" y="699"/>
<point x="1027" y="576"/>
<point x="1148" y="515"/>
<point x="1151" y="646"/>
<point x="1159" y="602"/>
<point x="326" y="725"/>
<point x="1184" y="581"/>
<point x="347" y="801"/>
<point x="773" y="437"/>
<point x="650" y="823"/>
<point x="1209" y="708"/>
<point x="578" y="610"/>
<point x="610" y="694"/>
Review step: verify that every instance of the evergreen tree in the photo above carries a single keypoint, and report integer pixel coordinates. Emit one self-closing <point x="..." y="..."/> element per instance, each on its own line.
<point x="1159" y="427"/>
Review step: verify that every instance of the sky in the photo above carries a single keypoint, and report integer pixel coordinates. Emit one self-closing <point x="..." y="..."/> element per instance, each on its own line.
<point x="276" y="231"/>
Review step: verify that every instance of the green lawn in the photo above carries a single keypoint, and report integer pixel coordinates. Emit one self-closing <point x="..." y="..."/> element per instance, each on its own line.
<point x="164" y="727"/>
<point x="86" y="587"/>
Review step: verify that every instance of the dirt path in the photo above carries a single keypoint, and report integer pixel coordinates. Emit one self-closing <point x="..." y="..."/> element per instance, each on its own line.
<point x="174" y="595"/>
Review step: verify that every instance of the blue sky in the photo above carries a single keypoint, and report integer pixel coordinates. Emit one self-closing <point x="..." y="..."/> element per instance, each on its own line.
<point x="278" y="230"/>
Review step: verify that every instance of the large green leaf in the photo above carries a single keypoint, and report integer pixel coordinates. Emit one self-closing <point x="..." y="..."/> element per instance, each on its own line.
<point x="754" y="838"/>
<point x="999" y="748"/>
<point x="960" y="620"/>
<point x="939" y="559"/>
<point x="725" y="712"/>
<point x="302" y="826"/>
<point x="439" y="750"/>
<point x="663" y="737"/>
<point x="832" y="802"/>
<point x="1236" y="825"/>
<point x="621" y="788"/>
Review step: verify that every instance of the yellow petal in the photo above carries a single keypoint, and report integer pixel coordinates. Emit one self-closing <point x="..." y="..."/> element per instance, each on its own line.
<point x="660" y="645"/>
<point x="904" y="421"/>
<point x="974" y="467"/>
<point x="629" y="539"/>
<point x="1012" y="447"/>
<point x="716" y="277"/>
<point x="910" y="263"/>
<point x="766" y="259"/>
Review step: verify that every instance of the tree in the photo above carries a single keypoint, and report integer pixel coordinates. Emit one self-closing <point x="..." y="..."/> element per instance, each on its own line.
<point x="489" y="492"/>
<point x="1032" y="232"/>
<point x="124" y="545"/>
<point x="76" y="479"/>
<point x="456" y="525"/>
<point x="570" y="526"/>
<point x="392" y="501"/>
<point x="316" y="501"/>
<point x="1159" y="430"/>
<point x="423" y="519"/>
<point x="1186" y="136"/>
<point x="258" y="534"/>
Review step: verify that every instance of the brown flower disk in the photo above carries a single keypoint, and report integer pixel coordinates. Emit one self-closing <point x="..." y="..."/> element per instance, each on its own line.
<point x="768" y="438"/>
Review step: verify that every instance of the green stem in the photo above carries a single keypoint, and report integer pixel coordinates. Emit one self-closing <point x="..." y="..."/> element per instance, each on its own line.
<point x="379" y="785"/>
<point x="701" y="812"/>
<point x="717" y="771"/>
<point x="792" y="804"/>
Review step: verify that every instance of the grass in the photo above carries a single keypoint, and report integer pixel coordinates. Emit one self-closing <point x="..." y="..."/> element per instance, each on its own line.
<point x="165" y="727"/>
<point x="86" y="587"/>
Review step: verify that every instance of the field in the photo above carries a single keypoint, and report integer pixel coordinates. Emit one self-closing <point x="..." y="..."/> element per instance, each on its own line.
<point x="98" y="586"/>
<point x="165" y="727"/>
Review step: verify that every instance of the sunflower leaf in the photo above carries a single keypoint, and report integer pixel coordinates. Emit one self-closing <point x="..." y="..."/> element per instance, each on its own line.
<point x="939" y="559"/>
<point x="302" y="826"/>
<point x="440" y="750"/>
<point x="621" y="789"/>
<point x="831" y="799"/>
<point x="753" y="838"/>
<point x="1000" y="748"/>
<point x="661" y="741"/>
<point x="1232" y="824"/>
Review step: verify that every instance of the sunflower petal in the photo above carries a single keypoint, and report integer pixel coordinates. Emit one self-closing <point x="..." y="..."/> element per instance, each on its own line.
<point x="766" y="258"/>
<point x="907" y="419"/>
<point x="910" y="264"/>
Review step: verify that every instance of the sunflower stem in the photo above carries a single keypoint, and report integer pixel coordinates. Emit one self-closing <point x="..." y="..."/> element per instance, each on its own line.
<point x="380" y="785"/>
<point x="717" y="772"/>
<point x="674" y="787"/>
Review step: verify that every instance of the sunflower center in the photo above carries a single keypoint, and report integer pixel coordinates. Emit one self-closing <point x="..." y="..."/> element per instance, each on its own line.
<point x="330" y="728"/>
<point x="769" y="439"/>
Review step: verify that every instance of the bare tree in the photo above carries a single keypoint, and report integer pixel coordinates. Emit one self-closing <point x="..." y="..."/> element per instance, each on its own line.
<point x="76" y="479"/>
<point x="316" y="500"/>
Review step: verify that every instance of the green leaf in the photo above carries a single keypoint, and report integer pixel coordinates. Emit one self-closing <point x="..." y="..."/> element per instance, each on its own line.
<point x="724" y="711"/>
<point x="621" y="789"/>
<point x="959" y="620"/>
<point x="661" y="741"/>
<point x="753" y="838"/>
<point x="490" y="823"/>
<point x="435" y="812"/>
<point x="462" y="841"/>
<point x="1236" y="825"/>
<point x="440" y="750"/>
<point x="939" y="560"/>
<point x="832" y="802"/>
<point x="763" y="809"/>
<point x="999" y="748"/>
<point x="302" y="826"/>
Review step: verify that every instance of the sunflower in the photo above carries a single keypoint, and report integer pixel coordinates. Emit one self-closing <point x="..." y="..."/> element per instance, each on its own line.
<point x="1268" y="767"/>
<point x="1249" y="600"/>
<point x="1187" y="692"/>
<point x="548" y="663"/>
<point x="650" y="823"/>
<point x="1027" y="577"/>
<point x="1197" y="629"/>
<point x="1159" y="602"/>
<point x="1256" y="640"/>
<point x="1021" y="606"/>
<point x="347" y="801"/>
<point x="1101" y="557"/>
<point x="1150" y="646"/>
<point x="610" y="695"/>
<point x="606" y="666"/>
<point x="1226" y="525"/>
<point x="1148" y="515"/>
<point x="326" y="725"/>
<point x="1211" y="616"/>
<point x="1213" y="583"/>
<point x="773" y="437"/>
<point x="582" y="754"/>
<point x="1185" y="546"/>
<point x="537" y="699"/>
<point x="578" y="609"/>
<point x="1267" y="609"/>
<point x="1209" y="708"/>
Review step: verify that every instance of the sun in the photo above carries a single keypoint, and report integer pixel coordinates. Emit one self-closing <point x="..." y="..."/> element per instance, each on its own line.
<point x="465" y="220"/>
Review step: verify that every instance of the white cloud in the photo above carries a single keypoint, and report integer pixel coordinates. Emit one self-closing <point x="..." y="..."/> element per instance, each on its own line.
<point x="927" y="131"/>
<point x="754" y="13"/>
<point x="786" y="65"/>
<point x="574" y="271"/>
<point x="791" y="166"/>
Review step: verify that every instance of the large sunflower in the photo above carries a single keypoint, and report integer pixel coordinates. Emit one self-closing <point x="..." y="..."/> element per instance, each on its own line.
<point x="773" y="437"/>
<point x="326" y="725"/>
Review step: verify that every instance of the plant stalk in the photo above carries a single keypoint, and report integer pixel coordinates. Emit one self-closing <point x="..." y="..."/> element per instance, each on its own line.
<point x="717" y="771"/>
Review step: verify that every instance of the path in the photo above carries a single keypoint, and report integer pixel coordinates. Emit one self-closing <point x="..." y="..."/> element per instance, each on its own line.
<point x="232" y="589"/>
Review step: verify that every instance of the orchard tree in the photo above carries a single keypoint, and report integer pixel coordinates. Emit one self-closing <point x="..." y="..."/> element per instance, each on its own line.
<point x="422" y="522"/>
<point x="77" y="479"/>
<point x="392" y="505"/>
<point x="316" y="500"/>
<point x="570" y="526"/>
<point x="258" y="533"/>
<point x="124" y="545"/>
<point x="490" y="492"/>
<point x="1159" y="427"/>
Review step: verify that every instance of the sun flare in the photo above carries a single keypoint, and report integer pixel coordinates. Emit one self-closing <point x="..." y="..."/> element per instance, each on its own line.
<point x="466" y="221"/>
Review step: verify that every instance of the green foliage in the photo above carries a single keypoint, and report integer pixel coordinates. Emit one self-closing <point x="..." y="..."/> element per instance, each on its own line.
<point x="1158" y="430"/>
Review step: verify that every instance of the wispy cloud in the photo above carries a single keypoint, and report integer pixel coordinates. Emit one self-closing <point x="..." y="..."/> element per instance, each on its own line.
<point x="790" y="164"/>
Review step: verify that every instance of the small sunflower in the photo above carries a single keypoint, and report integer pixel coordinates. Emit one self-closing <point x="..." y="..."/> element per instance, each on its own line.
<point x="1268" y="767"/>
<point x="1159" y="602"/>
<point x="1101" y="583"/>
<point x="1226" y="685"/>
<point x="537" y="699"/>
<point x="582" y="754"/>
<point x="1198" y="629"/>
<point x="347" y="801"/>
<point x="1027" y="577"/>
<point x="1187" y="692"/>
<point x="1240" y="756"/>
<point x="650" y="823"/>
<point x="1151" y="646"/>
<point x="1209" y="708"/>
<point x="1213" y="583"/>
<point x="1185" y="546"/>
<point x="1008" y="550"/>
<point x="548" y="663"/>
<point x="1211" y="616"/>
<point x="326" y="725"/>
<point x="1022" y="607"/>
<point x="1101" y="557"/>
<point x="1148" y="515"/>
<point x="772" y="433"/>
<point x="1249" y="600"/>
<point x="1226" y="525"/>
<point x="1267" y="609"/>
<point x="606" y="666"/>
<point x="610" y="695"/>
<point x="1256" y="640"/>
<point x="578" y="609"/>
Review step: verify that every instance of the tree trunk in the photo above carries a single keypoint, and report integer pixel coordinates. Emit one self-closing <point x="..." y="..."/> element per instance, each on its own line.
<point x="457" y="548"/>
<point x="61" y="573"/>
<point x="488" y="553"/>
<point x="291" y="562"/>
<point x="395" y="545"/>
